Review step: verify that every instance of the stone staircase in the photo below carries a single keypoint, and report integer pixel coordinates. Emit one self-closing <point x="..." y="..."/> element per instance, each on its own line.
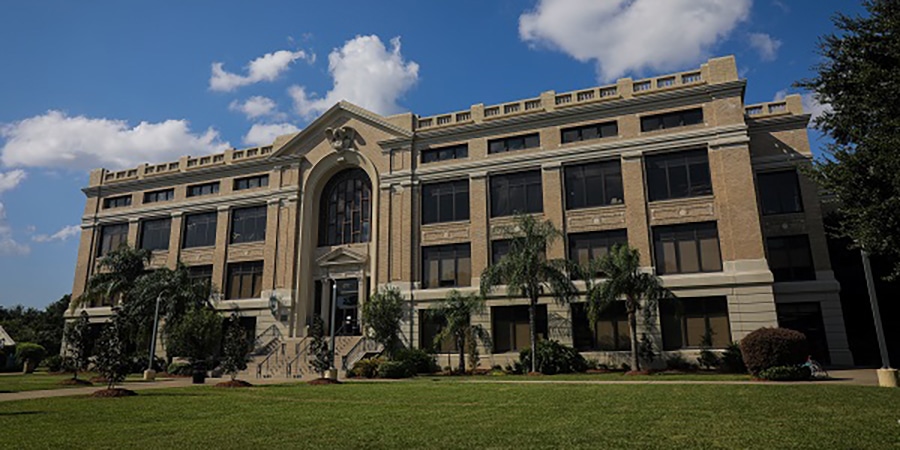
<point x="290" y="358"/>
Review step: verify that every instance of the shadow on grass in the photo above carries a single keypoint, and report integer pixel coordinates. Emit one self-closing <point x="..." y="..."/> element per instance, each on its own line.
<point x="21" y="413"/>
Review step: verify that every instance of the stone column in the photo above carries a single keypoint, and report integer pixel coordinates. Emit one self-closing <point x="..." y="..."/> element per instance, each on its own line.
<point x="552" y="187"/>
<point x="479" y="224"/>
<point x="175" y="239"/>
<point x="271" y="244"/>
<point x="636" y="206"/>
<point x="221" y="251"/>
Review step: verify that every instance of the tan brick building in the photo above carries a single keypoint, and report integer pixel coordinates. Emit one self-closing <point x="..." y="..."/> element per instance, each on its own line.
<point x="706" y="188"/>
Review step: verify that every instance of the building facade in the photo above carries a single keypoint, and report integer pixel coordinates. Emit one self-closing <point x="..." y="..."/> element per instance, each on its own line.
<point x="705" y="187"/>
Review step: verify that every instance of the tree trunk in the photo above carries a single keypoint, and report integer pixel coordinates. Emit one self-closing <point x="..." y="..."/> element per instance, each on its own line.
<point x="461" y="344"/>
<point x="632" y="323"/>
<point x="532" y="322"/>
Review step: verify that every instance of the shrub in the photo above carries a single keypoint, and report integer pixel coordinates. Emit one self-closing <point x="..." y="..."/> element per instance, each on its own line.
<point x="419" y="361"/>
<point x="786" y="373"/>
<point x="394" y="369"/>
<point x="771" y="347"/>
<point x="553" y="358"/>
<point x="55" y="363"/>
<point x="179" y="368"/>
<point x="677" y="361"/>
<point x="732" y="359"/>
<point x="236" y="348"/>
<point x="138" y="364"/>
<point x="28" y="351"/>
<point x="708" y="359"/>
<point x="366" y="368"/>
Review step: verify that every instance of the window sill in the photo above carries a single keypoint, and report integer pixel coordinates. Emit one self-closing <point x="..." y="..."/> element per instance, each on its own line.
<point x="667" y="201"/>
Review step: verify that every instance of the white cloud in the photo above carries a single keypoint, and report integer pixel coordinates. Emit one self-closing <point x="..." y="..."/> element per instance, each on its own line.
<point x="11" y="179"/>
<point x="810" y="103"/>
<point x="8" y="245"/>
<point x="63" y="234"/>
<point x="264" y="134"/>
<point x="256" y="106"/>
<point x="265" y="68"/>
<point x="765" y="45"/>
<point x="365" y="73"/>
<point x="632" y="36"/>
<point x="55" y="140"/>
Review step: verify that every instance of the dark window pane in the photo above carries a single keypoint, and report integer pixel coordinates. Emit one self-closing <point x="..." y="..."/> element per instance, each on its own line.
<point x="251" y="182"/>
<point x="248" y="224"/>
<point x="790" y="258"/>
<point x="594" y="184"/>
<point x="117" y="202"/>
<point x="678" y="175"/>
<point x="779" y="192"/>
<point x="445" y="153"/>
<point x="516" y="192"/>
<point x="200" y="230"/>
<point x="685" y="322"/>
<point x="672" y="119"/>
<point x="112" y="237"/>
<point x="155" y="234"/>
<point x="687" y="248"/>
<point x="446" y="266"/>
<point x="345" y="209"/>
<point x="510" y="327"/>
<point x="203" y="189"/>
<point x="244" y="280"/>
<point x="514" y="143"/>
<point x="584" y="247"/>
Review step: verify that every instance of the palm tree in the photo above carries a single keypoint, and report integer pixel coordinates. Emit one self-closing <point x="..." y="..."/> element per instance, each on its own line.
<point x="456" y="314"/>
<point x="526" y="271"/>
<point x="624" y="279"/>
<point x="118" y="272"/>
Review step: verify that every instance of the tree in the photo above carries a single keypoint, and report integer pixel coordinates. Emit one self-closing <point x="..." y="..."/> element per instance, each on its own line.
<point x="112" y="357"/>
<point x="196" y="336"/>
<point x="78" y="344"/>
<point x="526" y="271"/>
<point x="624" y="280"/>
<point x="30" y="355"/>
<point x="236" y="349"/>
<point x="42" y="327"/>
<point x="859" y="77"/>
<point x="455" y="312"/>
<point x="318" y="347"/>
<point x="118" y="272"/>
<point x="382" y="314"/>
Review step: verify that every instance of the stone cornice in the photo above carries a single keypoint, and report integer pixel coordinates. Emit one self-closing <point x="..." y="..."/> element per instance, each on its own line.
<point x="778" y="123"/>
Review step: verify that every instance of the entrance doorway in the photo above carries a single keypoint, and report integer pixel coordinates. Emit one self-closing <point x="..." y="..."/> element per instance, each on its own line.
<point x="346" y="317"/>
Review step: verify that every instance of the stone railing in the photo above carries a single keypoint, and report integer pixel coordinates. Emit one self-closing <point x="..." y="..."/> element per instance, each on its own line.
<point x="187" y="163"/>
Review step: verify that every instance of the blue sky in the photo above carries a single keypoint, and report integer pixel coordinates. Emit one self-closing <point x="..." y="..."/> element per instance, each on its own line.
<point x="114" y="84"/>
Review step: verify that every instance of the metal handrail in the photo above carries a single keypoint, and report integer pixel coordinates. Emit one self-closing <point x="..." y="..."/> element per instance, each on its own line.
<point x="267" y="360"/>
<point x="274" y="331"/>
<point x="362" y="347"/>
<point x="299" y="351"/>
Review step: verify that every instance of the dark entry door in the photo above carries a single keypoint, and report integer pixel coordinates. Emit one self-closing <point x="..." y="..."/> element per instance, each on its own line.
<point x="346" y="318"/>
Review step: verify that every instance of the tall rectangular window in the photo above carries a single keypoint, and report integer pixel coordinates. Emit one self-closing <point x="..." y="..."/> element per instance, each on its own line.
<point x="446" y="266"/>
<point x="445" y="202"/>
<point x="779" y="192"/>
<point x="514" y="143"/>
<point x="510" y="328"/>
<point x="609" y="333"/>
<point x="112" y="237"/>
<point x="244" y="280"/>
<point x="253" y="182"/>
<point x="516" y="193"/>
<point x="458" y="151"/>
<point x="790" y="258"/>
<point x="248" y="224"/>
<point x="685" y="321"/>
<point x="117" y="202"/>
<point x="155" y="234"/>
<point x="687" y="248"/>
<point x="594" y="184"/>
<point x="678" y="175"/>
<point x="201" y="273"/>
<point x="200" y="230"/>
<point x="589" y="132"/>
<point x="429" y="328"/>
<point x="586" y="247"/>
<point x="163" y="195"/>
<point x="672" y="119"/>
<point x="197" y="190"/>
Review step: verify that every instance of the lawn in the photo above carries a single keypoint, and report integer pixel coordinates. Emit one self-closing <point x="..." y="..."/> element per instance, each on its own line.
<point x="42" y="380"/>
<point x="615" y="376"/>
<point x="452" y="414"/>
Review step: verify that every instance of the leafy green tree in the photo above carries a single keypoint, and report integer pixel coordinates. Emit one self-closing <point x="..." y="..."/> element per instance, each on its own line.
<point x="526" y="271"/>
<point x="624" y="280"/>
<point x="236" y="349"/>
<point x="320" y="354"/>
<point x="30" y="355"/>
<point x="112" y="360"/>
<point x="382" y="314"/>
<point x="859" y="77"/>
<point x="455" y="314"/>
<point x="78" y="344"/>
<point x="196" y="336"/>
<point x="41" y="326"/>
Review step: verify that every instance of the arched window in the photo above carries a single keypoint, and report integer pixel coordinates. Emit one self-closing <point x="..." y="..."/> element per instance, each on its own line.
<point x="345" y="211"/>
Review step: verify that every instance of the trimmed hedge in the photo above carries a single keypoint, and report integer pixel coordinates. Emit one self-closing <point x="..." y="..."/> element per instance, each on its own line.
<point x="179" y="368"/>
<point x="786" y="373"/>
<point x="418" y="360"/>
<point x="366" y="368"/>
<point x="772" y="347"/>
<point x="553" y="358"/>
<point x="29" y="351"/>
<point x="394" y="369"/>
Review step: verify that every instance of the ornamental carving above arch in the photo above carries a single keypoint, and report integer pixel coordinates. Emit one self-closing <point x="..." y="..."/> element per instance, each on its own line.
<point x="341" y="138"/>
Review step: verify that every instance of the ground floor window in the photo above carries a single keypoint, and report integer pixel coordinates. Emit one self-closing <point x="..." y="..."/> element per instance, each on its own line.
<point x="806" y="317"/>
<point x="610" y="333"/>
<point x="685" y="322"/>
<point x="429" y="328"/>
<point x="446" y="266"/>
<point x="510" y="327"/>
<point x="244" y="280"/>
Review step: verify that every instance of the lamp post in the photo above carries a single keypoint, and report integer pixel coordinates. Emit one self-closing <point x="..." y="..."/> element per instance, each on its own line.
<point x="150" y="374"/>
<point x="887" y="376"/>
<point x="332" y="373"/>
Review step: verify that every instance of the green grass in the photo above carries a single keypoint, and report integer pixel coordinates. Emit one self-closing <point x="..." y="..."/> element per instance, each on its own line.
<point x="453" y="414"/>
<point x="41" y="380"/>
<point x="615" y="376"/>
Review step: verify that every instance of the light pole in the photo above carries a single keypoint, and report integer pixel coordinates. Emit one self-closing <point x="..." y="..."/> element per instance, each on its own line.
<point x="333" y="372"/>
<point x="150" y="374"/>
<point x="887" y="376"/>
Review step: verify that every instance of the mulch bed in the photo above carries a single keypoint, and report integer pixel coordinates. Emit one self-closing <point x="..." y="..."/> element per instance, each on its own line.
<point x="233" y="384"/>
<point x="535" y="374"/>
<point x="115" y="392"/>
<point x="75" y="382"/>
<point x="99" y="380"/>
<point x="638" y="372"/>
<point x="320" y="381"/>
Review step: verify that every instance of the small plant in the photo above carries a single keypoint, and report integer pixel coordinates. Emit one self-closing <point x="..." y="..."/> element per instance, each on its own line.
<point x="179" y="368"/>
<point x="236" y="349"/>
<point x="366" y="368"/>
<point x="732" y="359"/>
<point x="419" y="361"/>
<point x="677" y="361"/>
<point x="394" y="369"/>
<point x="771" y="347"/>
<point x="112" y="357"/>
<point x="382" y="315"/>
<point x="197" y="337"/>
<point x="708" y="359"/>
<point x="554" y="358"/>
<point x="30" y="355"/>
<point x="318" y="348"/>
<point x="785" y="373"/>
<point x="78" y="344"/>
<point x="56" y="363"/>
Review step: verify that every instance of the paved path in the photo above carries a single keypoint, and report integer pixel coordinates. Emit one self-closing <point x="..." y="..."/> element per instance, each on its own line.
<point x="860" y="377"/>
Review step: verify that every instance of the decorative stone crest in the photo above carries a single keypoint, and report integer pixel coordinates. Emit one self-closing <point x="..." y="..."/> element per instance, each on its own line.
<point x="341" y="138"/>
